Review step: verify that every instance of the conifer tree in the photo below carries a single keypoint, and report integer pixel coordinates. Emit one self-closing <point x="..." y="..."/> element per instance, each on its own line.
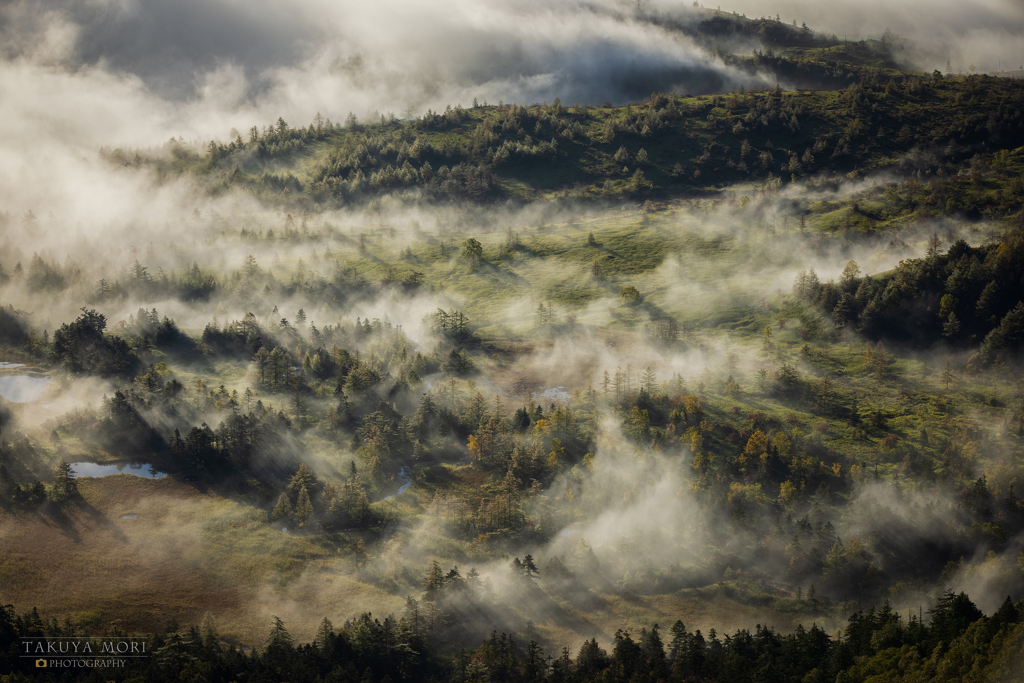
<point x="303" y="479"/>
<point x="208" y="630"/>
<point x="283" y="509"/>
<point x="948" y="375"/>
<point x="324" y="632"/>
<point x="433" y="581"/>
<point x="64" y="485"/>
<point x="304" y="508"/>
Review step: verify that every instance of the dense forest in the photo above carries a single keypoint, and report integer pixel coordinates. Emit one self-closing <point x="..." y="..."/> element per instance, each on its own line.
<point x="960" y="643"/>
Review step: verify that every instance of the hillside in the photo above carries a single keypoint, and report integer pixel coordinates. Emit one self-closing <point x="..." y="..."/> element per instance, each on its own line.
<point x="669" y="146"/>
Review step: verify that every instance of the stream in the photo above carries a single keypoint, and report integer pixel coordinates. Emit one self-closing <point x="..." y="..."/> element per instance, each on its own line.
<point x="404" y="476"/>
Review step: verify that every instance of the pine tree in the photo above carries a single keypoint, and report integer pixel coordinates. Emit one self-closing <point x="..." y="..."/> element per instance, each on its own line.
<point x="654" y="652"/>
<point x="476" y="411"/>
<point x="638" y="182"/>
<point x="650" y="381"/>
<point x="951" y="326"/>
<point x="511" y="487"/>
<point x="303" y="479"/>
<point x="535" y="666"/>
<point x="948" y="375"/>
<point x="677" y="645"/>
<point x="279" y="638"/>
<point x="64" y="485"/>
<point x="987" y="302"/>
<point x="324" y="632"/>
<point x="434" y="580"/>
<point x="283" y="509"/>
<point x="304" y="508"/>
<point x="208" y="631"/>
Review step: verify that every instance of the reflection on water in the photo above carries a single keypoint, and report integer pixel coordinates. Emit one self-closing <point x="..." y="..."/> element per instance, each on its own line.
<point x="91" y="469"/>
<point x="557" y="394"/>
<point x="22" y="388"/>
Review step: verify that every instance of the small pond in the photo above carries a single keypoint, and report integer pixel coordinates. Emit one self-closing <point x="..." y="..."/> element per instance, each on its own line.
<point x="91" y="469"/>
<point x="22" y="388"/>
<point x="556" y="394"/>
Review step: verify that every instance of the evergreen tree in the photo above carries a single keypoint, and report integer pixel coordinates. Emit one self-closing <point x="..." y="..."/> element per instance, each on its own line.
<point x="649" y="381"/>
<point x="324" y="634"/>
<point x="434" y="581"/>
<point x="279" y="644"/>
<point x="948" y="375"/>
<point x="283" y="509"/>
<point x="64" y="487"/>
<point x="304" y="508"/>
<point x="208" y="631"/>
<point x="303" y="479"/>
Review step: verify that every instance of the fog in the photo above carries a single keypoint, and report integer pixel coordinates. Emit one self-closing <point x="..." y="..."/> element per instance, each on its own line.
<point x="202" y="59"/>
<point x="134" y="74"/>
<point x="986" y="34"/>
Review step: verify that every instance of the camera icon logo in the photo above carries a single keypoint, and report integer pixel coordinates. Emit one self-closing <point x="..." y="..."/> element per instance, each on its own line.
<point x="40" y="663"/>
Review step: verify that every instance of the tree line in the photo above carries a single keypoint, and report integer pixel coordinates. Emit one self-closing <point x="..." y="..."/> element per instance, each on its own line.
<point x="877" y="644"/>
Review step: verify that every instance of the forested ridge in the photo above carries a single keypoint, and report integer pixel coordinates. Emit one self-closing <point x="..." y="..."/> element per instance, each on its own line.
<point x="943" y="130"/>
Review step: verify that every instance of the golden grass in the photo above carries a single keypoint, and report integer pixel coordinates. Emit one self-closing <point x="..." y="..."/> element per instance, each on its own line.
<point x="190" y="552"/>
<point x="186" y="553"/>
<point x="611" y="612"/>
